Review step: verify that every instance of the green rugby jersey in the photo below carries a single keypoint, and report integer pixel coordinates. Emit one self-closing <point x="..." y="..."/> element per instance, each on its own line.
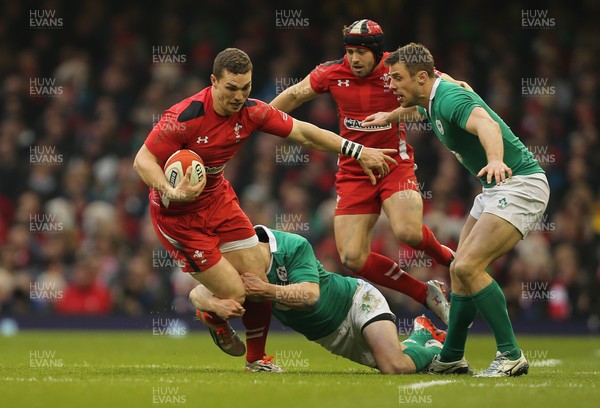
<point x="449" y="108"/>
<point x="293" y="261"/>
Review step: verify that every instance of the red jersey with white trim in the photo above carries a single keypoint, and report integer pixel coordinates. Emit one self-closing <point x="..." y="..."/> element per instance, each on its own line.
<point x="193" y="124"/>
<point x="357" y="98"/>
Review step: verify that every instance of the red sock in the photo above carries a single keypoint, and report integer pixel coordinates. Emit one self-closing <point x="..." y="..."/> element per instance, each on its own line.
<point x="211" y="317"/>
<point x="430" y="245"/>
<point x="256" y="321"/>
<point x="385" y="272"/>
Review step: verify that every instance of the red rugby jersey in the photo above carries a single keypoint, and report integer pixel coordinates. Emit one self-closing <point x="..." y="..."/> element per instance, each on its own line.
<point x="357" y="98"/>
<point x="193" y="124"/>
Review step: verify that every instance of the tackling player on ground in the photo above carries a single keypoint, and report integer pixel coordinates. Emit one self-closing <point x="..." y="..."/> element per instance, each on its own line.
<point x="514" y="197"/>
<point x="358" y="83"/>
<point x="203" y="226"/>
<point x="347" y="316"/>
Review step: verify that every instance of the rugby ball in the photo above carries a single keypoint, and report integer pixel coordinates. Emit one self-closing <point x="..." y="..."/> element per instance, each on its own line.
<point x="178" y="163"/>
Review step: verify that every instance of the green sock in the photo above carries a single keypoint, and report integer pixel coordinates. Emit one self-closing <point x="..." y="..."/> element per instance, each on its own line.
<point x="419" y="337"/>
<point x="492" y="304"/>
<point x="462" y="313"/>
<point x="420" y="355"/>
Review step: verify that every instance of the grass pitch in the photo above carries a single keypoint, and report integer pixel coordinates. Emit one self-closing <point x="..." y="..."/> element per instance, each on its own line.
<point x="139" y="369"/>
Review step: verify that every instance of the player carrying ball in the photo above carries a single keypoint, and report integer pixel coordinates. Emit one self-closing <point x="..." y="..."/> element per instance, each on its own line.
<point x="204" y="226"/>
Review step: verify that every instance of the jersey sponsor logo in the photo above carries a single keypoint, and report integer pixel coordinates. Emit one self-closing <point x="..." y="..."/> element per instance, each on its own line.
<point x="345" y="82"/>
<point x="202" y="140"/>
<point x="438" y="124"/>
<point x="282" y="273"/>
<point x="355" y="124"/>
<point x="214" y="170"/>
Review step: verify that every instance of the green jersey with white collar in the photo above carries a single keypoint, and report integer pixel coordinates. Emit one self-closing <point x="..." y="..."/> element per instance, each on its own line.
<point x="293" y="261"/>
<point x="450" y="106"/>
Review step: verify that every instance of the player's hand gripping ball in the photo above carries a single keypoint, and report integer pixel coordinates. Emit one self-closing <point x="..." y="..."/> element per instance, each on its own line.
<point x="177" y="164"/>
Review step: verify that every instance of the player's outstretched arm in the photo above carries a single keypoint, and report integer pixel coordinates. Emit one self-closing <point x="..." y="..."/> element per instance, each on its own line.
<point x="204" y="300"/>
<point x="481" y="124"/>
<point x="147" y="167"/>
<point x="370" y="159"/>
<point x="299" y="296"/>
<point x="294" y="96"/>
<point x="399" y="114"/>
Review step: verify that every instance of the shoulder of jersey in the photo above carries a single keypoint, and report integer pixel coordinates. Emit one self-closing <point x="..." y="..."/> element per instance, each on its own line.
<point x="447" y="87"/>
<point x="333" y="63"/>
<point x="192" y="107"/>
<point x="250" y="103"/>
<point x="333" y="68"/>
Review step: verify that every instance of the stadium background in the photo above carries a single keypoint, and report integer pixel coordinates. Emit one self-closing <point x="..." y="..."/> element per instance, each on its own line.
<point x="82" y="85"/>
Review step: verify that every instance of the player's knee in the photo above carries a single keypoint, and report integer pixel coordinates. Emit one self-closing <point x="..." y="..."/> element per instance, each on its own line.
<point x="463" y="269"/>
<point x="354" y="260"/>
<point x="395" y="366"/>
<point x="452" y="271"/>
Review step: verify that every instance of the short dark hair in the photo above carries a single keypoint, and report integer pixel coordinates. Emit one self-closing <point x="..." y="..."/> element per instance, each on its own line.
<point x="415" y="56"/>
<point x="233" y="60"/>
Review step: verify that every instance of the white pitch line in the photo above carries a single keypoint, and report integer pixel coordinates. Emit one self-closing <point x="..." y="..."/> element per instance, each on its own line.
<point x="425" y="384"/>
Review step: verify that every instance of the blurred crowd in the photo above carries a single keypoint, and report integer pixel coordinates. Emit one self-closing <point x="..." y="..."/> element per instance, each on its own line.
<point x="82" y="83"/>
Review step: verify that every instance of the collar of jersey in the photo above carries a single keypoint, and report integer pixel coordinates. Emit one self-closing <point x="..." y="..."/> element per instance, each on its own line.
<point x="432" y="94"/>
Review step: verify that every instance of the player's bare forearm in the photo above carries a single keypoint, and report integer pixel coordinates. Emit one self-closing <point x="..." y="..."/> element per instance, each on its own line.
<point x="299" y="296"/>
<point x="481" y="124"/>
<point x="147" y="167"/>
<point x="371" y="160"/>
<point x="313" y="137"/>
<point x="201" y="298"/>
<point x="294" y="96"/>
<point x="399" y="114"/>
<point x="204" y="300"/>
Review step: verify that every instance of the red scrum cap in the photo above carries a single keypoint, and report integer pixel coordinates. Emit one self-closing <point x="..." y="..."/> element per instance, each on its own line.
<point x="366" y="34"/>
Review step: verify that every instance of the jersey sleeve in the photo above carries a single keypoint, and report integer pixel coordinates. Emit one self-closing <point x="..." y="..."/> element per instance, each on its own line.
<point x="456" y="106"/>
<point x="271" y="120"/>
<point x="319" y="80"/>
<point x="166" y="137"/>
<point x="302" y="263"/>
